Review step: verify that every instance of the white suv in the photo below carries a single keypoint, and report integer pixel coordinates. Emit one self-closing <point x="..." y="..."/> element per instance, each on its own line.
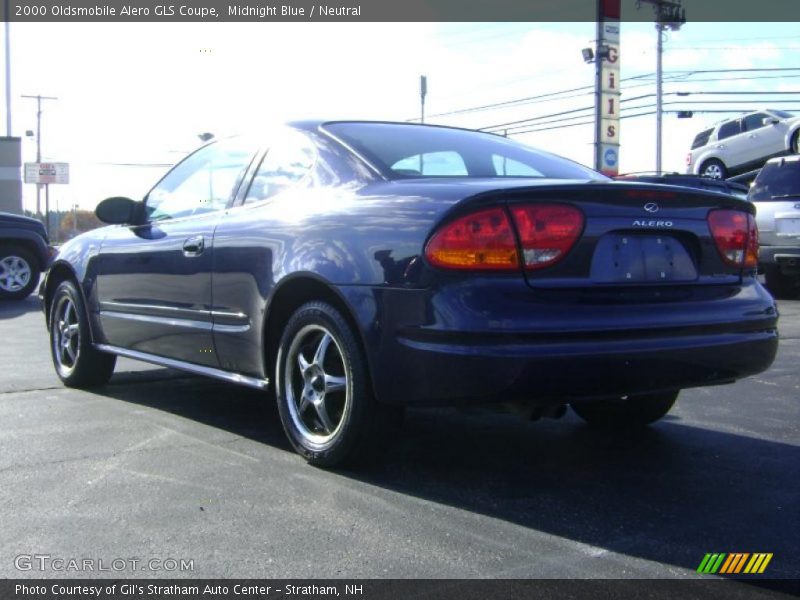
<point x="743" y="144"/>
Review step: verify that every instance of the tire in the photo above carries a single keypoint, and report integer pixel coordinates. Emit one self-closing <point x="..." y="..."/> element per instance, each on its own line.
<point x="794" y="145"/>
<point x="713" y="168"/>
<point x="324" y="395"/>
<point x="633" y="411"/>
<point x="19" y="272"/>
<point x="76" y="361"/>
<point x="778" y="284"/>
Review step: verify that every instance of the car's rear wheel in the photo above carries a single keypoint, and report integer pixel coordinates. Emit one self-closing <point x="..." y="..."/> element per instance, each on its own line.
<point x="629" y="411"/>
<point x="324" y="395"/>
<point x="795" y="145"/>
<point x="77" y="362"/>
<point x="19" y="273"/>
<point x="713" y="168"/>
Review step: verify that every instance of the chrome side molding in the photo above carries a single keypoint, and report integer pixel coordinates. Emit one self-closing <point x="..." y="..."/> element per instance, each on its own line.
<point x="253" y="382"/>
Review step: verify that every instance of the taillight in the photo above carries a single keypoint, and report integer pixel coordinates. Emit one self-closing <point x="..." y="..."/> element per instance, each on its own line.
<point x="482" y="240"/>
<point x="736" y="235"/>
<point x="546" y="232"/>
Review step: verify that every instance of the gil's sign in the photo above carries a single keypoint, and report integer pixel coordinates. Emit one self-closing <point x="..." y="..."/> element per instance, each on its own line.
<point x="57" y="172"/>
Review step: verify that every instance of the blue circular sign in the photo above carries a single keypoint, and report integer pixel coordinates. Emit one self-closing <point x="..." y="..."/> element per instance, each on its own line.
<point x="610" y="157"/>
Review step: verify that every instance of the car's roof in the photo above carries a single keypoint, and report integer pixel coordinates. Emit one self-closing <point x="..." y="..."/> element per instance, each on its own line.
<point x="315" y="124"/>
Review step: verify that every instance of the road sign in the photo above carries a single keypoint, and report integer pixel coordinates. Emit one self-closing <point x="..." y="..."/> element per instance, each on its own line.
<point x="47" y="172"/>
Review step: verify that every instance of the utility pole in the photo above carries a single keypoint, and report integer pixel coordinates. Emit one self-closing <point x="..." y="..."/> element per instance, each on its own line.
<point x="39" y="99"/>
<point x="8" y="69"/>
<point x="669" y="15"/>
<point x="423" y="91"/>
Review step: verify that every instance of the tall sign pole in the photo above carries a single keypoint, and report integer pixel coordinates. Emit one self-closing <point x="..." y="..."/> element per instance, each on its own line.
<point x="607" y="92"/>
<point x="39" y="99"/>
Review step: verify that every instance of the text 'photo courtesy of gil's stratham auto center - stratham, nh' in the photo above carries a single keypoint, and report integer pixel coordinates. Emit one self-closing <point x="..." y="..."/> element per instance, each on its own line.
<point x="430" y="299"/>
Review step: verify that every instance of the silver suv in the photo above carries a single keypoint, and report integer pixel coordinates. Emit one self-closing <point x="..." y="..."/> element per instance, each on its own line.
<point x="776" y="195"/>
<point x="743" y="144"/>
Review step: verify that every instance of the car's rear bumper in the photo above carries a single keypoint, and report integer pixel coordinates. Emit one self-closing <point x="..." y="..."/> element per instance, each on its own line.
<point x="787" y="258"/>
<point x="451" y="358"/>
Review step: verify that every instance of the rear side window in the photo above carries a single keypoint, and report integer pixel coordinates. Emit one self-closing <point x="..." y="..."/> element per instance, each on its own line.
<point x="779" y="180"/>
<point x="287" y="162"/>
<point x="729" y="129"/>
<point x="701" y="139"/>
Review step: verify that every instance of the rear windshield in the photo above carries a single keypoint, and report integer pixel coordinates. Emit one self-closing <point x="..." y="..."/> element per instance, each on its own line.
<point x="404" y="151"/>
<point x="701" y="139"/>
<point x="782" y="114"/>
<point x="779" y="180"/>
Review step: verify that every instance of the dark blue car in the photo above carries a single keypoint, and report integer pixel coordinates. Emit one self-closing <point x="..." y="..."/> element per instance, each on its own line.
<point x="356" y="268"/>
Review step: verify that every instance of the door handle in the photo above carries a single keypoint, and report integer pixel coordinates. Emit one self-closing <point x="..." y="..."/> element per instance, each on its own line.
<point x="193" y="246"/>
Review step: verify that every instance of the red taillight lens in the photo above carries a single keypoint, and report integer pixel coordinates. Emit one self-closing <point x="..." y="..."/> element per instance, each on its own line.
<point x="547" y="232"/>
<point x="482" y="240"/>
<point x="736" y="236"/>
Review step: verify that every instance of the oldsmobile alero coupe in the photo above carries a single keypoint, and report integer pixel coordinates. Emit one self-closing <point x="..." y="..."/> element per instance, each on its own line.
<point x="351" y="269"/>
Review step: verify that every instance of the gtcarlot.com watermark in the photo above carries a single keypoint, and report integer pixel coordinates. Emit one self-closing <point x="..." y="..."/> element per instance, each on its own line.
<point x="60" y="564"/>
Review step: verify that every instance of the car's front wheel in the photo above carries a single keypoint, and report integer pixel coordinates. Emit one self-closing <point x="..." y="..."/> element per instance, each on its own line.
<point x="19" y="273"/>
<point x="713" y="168"/>
<point x="77" y="362"/>
<point x="795" y="146"/>
<point x="629" y="411"/>
<point x="324" y="395"/>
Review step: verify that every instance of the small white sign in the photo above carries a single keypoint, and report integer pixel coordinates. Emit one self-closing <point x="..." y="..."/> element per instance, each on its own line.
<point x="47" y="172"/>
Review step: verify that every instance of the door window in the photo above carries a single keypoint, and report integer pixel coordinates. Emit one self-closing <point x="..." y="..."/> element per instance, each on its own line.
<point x="755" y="121"/>
<point x="204" y="182"/>
<point x="729" y="129"/>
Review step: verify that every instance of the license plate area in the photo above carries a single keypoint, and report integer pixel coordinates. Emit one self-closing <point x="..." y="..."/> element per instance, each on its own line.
<point x="788" y="226"/>
<point x="641" y="258"/>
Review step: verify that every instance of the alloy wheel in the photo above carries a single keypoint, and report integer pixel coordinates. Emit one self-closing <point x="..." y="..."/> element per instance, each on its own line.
<point x="66" y="334"/>
<point x="15" y="273"/>
<point x="713" y="170"/>
<point x="316" y="381"/>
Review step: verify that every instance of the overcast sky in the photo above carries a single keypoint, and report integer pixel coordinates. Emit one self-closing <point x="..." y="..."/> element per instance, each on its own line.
<point x="139" y="94"/>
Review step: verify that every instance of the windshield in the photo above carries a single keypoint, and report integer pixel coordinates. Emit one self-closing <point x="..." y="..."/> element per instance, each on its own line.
<point x="403" y="151"/>
<point x="782" y="114"/>
<point x="776" y="181"/>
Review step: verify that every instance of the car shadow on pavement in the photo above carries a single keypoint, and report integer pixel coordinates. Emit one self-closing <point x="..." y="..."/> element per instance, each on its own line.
<point x="14" y="308"/>
<point x="667" y="494"/>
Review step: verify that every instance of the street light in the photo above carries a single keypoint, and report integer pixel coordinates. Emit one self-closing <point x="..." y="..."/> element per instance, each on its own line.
<point x="669" y="15"/>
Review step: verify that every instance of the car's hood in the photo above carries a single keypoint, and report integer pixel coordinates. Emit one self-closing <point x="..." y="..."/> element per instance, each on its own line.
<point x="9" y="218"/>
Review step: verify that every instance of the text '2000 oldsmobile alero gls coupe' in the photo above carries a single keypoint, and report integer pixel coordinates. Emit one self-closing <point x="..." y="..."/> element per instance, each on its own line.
<point x="357" y="268"/>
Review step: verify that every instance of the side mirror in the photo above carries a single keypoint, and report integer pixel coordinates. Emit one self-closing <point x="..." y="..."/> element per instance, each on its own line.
<point x="118" y="210"/>
<point x="770" y="121"/>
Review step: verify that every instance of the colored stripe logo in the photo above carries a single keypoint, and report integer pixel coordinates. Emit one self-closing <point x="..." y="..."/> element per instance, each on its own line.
<point x="735" y="563"/>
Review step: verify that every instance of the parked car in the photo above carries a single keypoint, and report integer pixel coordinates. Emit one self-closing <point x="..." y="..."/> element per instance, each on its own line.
<point x="776" y="195"/>
<point x="700" y="182"/>
<point x="743" y="143"/>
<point x="357" y="268"/>
<point x="24" y="253"/>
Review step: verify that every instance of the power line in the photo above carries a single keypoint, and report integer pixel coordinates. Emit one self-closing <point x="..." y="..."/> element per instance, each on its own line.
<point x="671" y="76"/>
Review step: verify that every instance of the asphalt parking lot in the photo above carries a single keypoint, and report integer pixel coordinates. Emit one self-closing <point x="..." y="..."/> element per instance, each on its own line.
<point x="162" y="465"/>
